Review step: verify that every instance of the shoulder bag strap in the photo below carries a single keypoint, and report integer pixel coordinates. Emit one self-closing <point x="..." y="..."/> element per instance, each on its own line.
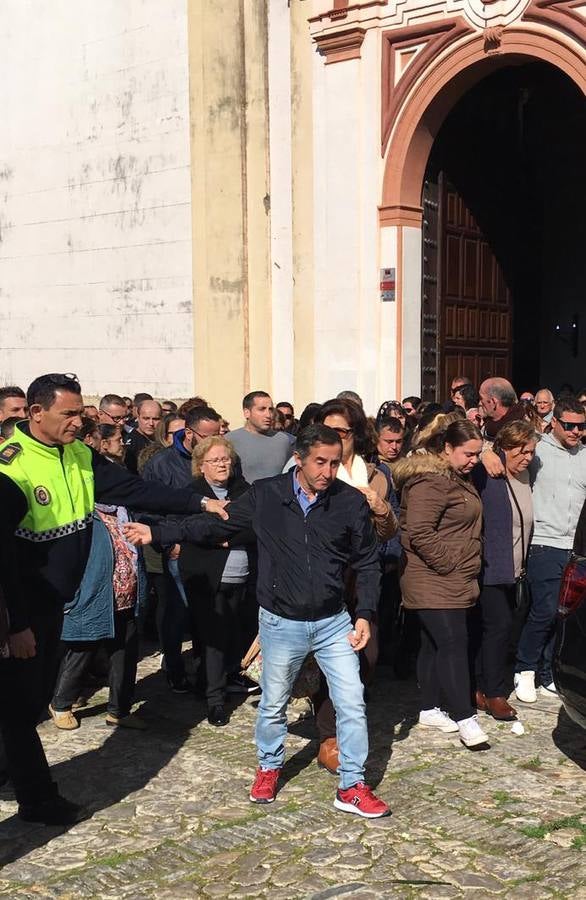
<point x="523" y="550"/>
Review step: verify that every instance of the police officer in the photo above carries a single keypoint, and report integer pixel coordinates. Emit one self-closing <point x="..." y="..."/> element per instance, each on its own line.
<point x="48" y="484"/>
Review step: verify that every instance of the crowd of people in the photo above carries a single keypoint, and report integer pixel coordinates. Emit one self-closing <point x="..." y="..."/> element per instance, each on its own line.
<point x="432" y="537"/>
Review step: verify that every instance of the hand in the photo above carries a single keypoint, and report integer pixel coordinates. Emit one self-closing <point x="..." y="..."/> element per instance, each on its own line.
<point x="137" y="534"/>
<point x="22" y="644"/>
<point x="360" y="637"/>
<point x="174" y="552"/>
<point x="492" y="463"/>
<point x="377" y="505"/>
<point x="217" y="507"/>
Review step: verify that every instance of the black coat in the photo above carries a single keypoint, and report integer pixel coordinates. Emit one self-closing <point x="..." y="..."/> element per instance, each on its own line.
<point x="301" y="559"/>
<point x="201" y="566"/>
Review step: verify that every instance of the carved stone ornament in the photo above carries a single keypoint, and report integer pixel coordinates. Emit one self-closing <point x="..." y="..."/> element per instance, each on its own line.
<point x="491" y="13"/>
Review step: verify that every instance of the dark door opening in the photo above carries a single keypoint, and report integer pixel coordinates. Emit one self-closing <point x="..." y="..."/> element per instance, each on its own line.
<point x="504" y="265"/>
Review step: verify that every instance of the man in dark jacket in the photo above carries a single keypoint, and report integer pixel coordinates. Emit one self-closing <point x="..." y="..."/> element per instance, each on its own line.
<point x="309" y="528"/>
<point x="48" y="484"/>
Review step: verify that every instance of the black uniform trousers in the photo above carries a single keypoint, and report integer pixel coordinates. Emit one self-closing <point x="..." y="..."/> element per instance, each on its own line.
<point x="26" y="686"/>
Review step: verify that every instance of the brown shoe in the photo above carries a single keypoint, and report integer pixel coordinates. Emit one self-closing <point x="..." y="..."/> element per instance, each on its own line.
<point x="500" y="708"/>
<point x="481" y="701"/>
<point x="64" y="719"/>
<point x="327" y="758"/>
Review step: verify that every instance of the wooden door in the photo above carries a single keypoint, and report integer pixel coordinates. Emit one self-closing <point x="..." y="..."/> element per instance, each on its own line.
<point x="473" y="305"/>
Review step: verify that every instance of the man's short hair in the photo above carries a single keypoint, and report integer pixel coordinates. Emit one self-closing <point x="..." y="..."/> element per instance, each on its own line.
<point x="350" y="395"/>
<point x="414" y="401"/>
<point x="568" y="405"/>
<point x="170" y="403"/>
<point x="11" y="390"/>
<point x="248" y="400"/>
<point x="201" y="414"/>
<point x="502" y="390"/>
<point x="550" y="396"/>
<point x="140" y="398"/>
<point x="393" y="423"/>
<point x="284" y="403"/>
<point x="314" y="435"/>
<point x="43" y="389"/>
<point x="111" y="400"/>
<point x="140" y="405"/>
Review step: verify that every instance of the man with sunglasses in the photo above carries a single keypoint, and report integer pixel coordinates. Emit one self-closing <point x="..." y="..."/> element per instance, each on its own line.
<point x="559" y="469"/>
<point x="49" y="482"/>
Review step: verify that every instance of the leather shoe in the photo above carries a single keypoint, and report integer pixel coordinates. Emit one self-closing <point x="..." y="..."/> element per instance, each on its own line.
<point x="481" y="702"/>
<point x="217" y="715"/>
<point x="327" y="758"/>
<point x="500" y="708"/>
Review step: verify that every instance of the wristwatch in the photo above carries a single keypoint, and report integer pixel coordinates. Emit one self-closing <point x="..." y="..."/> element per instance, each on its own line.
<point x="204" y="503"/>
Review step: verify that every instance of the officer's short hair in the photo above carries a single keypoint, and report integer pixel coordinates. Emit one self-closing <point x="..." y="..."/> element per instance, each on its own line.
<point x="43" y="389"/>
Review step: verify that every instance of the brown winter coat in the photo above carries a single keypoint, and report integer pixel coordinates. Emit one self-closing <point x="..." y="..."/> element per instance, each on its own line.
<point x="441" y="525"/>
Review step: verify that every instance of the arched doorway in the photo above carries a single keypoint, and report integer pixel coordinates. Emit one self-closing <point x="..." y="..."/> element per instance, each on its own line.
<point x="503" y="231"/>
<point x="414" y="150"/>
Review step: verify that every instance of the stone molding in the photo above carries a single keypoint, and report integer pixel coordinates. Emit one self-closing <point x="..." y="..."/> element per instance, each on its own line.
<point x="338" y="46"/>
<point x="437" y="37"/>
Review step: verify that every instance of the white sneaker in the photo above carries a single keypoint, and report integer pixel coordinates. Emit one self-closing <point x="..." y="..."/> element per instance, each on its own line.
<point x="471" y="734"/>
<point x="525" y="687"/>
<point x="548" y="690"/>
<point x="437" y="718"/>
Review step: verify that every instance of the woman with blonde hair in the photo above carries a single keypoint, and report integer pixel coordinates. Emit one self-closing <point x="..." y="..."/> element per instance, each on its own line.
<point x="215" y="577"/>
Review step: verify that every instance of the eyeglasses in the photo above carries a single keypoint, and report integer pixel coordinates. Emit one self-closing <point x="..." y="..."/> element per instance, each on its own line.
<point x="572" y="426"/>
<point x="543" y="403"/>
<point x="116" y="419"/>
<point x="342" y="432"/>
<point x="223" y="461"/>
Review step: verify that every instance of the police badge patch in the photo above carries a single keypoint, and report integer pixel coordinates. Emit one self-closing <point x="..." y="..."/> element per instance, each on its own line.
<point x="42" y="495"/>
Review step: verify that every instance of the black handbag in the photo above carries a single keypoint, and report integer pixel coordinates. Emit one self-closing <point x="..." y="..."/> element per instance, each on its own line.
<point x="522" y="593"/>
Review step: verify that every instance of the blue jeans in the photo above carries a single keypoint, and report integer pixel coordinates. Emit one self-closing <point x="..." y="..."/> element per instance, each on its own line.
<point x="285" y="643"/>
<point x="545" y="567"/>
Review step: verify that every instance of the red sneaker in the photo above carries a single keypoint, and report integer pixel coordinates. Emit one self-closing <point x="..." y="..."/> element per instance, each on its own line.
<point x="360" y="800"/>
<point x="264" y="789"/>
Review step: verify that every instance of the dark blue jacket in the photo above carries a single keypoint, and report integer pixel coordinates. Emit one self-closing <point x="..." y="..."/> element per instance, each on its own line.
<point x="498" y="566"/>
<point x="301" y="559"/>
<point x="171" y="466"/>
<point x="90" y="615"/>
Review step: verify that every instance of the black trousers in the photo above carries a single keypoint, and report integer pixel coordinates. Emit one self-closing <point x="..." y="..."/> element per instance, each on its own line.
<point x="442" y="664"/>
<point x="491" y="624"/>
<point x="26" y="686"/>
<point x="122" y="651"/>
<point x="217" y="620"/>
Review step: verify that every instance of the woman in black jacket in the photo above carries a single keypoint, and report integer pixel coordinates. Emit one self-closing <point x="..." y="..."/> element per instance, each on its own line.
<point x="215" y="576"/>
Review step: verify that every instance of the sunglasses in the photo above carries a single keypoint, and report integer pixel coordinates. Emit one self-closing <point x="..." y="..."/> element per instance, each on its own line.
<point x="572" y="426"/>
<point x="343" y="432"/>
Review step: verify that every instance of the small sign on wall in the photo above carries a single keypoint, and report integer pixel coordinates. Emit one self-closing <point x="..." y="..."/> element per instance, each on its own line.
<point x="387" y="285"/>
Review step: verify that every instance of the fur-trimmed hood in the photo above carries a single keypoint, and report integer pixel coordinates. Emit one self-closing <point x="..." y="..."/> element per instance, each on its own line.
<point x="420" y="463"/>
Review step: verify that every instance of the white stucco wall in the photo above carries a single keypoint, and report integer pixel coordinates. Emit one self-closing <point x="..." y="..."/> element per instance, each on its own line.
<point x="95" y="249"/>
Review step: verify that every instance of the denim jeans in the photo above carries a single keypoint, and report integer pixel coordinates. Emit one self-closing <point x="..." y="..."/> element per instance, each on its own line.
<point x="545" y="567"/>
<point x="285" y="643"/>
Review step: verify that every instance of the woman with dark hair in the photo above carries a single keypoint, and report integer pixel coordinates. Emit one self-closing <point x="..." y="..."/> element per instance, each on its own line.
<point x="308" y="416"/>
<point x="89" y="433"/>
<point x="111" y="443"/>
<point x="466" y="396"/>
<point x="441" y="525"/>
<point x="507" y="526"/>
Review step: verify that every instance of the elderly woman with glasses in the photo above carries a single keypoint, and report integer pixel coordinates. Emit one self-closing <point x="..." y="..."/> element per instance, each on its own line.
<point x="215" y="577"/>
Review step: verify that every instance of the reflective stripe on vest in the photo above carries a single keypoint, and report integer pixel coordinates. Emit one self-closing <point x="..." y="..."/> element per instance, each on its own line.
<point x="58" y="483"/>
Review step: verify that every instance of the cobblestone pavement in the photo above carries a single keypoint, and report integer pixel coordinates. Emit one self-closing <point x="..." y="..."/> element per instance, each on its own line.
<point x="171" y="818"/>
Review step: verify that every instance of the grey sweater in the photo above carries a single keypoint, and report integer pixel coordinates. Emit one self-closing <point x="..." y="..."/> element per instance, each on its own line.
<point x="558" y="493"/>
